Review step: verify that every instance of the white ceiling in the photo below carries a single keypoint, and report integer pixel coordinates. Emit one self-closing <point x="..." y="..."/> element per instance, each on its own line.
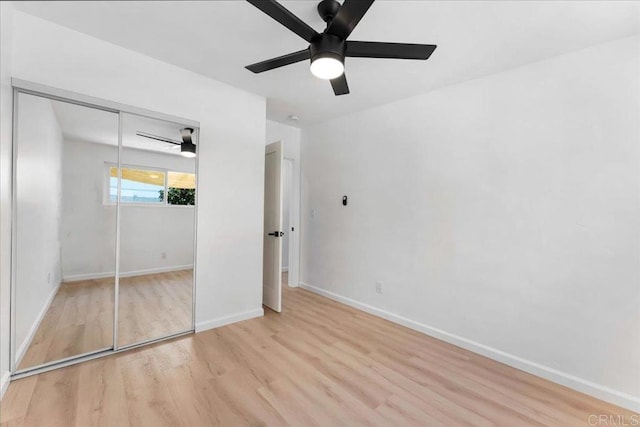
<point x="474" y="38"/>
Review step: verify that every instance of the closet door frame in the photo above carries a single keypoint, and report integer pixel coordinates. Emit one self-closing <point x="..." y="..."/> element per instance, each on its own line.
<point x="36" y="89"/>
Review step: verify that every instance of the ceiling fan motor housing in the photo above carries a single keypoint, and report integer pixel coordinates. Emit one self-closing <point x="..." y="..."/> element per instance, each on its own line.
<point x="328" y="9"/>
<point x="327" y="46"/>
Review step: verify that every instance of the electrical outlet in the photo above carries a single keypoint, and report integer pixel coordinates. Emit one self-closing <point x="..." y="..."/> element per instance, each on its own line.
<point x="313" y="213"/>
<point x="163" y="255"/>
<point x="48" y="277"/>
<point x="379" y="287"/>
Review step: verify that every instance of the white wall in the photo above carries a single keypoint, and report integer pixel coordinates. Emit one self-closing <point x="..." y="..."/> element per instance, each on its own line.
<point x="39" y="210"/>
<point x="6" y="117"/>
<point x="501" y="214"/>
<point x="88" y="224"/>
<point x="290" y="137"/>
<point x="231" y="149"/>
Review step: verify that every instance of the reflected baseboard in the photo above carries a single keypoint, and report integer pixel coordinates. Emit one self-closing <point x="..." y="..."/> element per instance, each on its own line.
<point x="91" y="276"/>
<point x="4" y="382"/>
<point x="22" y="348"/>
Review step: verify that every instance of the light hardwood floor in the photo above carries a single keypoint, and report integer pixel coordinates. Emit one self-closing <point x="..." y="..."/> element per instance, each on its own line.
<point x="154" y="305"/>
<point x="80" y="318"/>
<point x="316" y="363"/>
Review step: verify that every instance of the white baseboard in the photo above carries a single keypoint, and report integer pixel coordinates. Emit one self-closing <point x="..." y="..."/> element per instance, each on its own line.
<point x="584" y="386"/>
<point x="4" y="383"/>
<point x="89" y="276"/>
<point x="226" y="320"/>
<point x="22" y="348"/>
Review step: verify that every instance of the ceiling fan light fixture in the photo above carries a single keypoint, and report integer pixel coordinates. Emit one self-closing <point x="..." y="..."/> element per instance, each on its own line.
<point x="188" y="149"/>
<point x="327" y="56"/>
<point x="327" y="67"/>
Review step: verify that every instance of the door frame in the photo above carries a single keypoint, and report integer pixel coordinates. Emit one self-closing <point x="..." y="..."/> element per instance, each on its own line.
<point x="293" y="264"/>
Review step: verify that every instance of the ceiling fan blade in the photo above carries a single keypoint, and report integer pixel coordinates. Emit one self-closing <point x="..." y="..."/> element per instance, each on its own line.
<point x="340" y="86"/>
<point x="158" y="138"/>
<point x="348" y="17"/>
<point x="389" y="50"/>
<point x="280" y="61"/>
<point x="286" y="18"/>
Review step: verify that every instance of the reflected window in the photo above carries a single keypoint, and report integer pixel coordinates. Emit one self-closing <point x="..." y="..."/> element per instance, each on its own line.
<point x="151" y="186"/>
<point x="138" y="185"/>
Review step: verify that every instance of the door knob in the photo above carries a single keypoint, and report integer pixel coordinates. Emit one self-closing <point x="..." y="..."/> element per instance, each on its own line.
<point x="277" y="234"/>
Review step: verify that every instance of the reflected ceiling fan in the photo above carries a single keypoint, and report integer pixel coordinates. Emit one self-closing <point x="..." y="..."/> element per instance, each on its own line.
<point x="187" y="147"/>
<point x="328" y="49"/>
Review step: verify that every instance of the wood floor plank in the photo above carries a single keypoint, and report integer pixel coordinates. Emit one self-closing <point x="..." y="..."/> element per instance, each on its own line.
<point x="55" y="399"/>
<point x="196" y="397"/>
<point x="101" y="397"/>
<point x="318" y="363"/>
<point x="149" y="401"/>
<point x="16" y="400"/>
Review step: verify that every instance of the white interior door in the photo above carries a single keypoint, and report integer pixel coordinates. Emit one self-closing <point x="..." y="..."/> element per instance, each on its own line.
<point x="271" y="277"/>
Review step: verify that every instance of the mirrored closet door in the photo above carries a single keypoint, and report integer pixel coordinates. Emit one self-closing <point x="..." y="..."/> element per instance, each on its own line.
<point x="157" y="221"/>
<point x="103" y="234"/>
<point x="64" y="231"/>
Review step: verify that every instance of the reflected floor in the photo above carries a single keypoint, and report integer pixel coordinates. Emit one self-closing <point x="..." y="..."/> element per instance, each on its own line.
<point x="154" y="305"/>
<point x="80" y="317"/>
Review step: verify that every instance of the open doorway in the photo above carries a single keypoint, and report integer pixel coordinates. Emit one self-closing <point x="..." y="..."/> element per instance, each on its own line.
<point x="287" y="219"/>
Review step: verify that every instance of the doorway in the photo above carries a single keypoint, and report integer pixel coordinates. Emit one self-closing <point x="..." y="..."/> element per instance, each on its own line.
<point x="287" y="218"/>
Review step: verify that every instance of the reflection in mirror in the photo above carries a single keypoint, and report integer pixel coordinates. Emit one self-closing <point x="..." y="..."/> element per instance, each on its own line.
<point x="157" y="221"/>
<point x="65" y="234"/>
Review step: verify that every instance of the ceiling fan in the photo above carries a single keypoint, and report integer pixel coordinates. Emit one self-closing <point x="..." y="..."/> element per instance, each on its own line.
<point x="187" y="147"/>
<point x="328" y="49"/>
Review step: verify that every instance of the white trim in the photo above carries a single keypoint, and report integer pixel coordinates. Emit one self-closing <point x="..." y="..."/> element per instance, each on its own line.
<point x="116" y="267"/>
<point x="4" y="382"/>
<point x="39" y="89"/>
<point x="227" y="320"/>
<point x="89" y="276"/>
<point x="294" y="220"/>
<point x="194" y="274"/>
<point x="74" y="360"/>
<point x="21" y="350"/>
<point x="585" y="386"/>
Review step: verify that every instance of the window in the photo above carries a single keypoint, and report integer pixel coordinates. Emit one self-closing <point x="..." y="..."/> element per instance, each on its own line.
<point x="159" y="187"/>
